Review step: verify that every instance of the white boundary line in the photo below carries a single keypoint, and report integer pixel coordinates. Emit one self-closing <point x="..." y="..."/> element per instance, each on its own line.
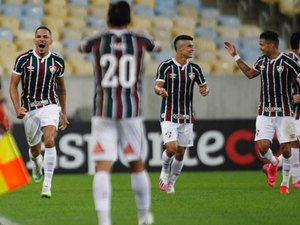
<point x="5" y="221"/>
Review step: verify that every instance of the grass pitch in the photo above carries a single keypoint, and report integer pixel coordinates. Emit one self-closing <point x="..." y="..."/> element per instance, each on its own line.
<point x="201" y="198"/>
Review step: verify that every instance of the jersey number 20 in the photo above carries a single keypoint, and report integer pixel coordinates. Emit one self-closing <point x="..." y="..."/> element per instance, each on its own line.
<point x="127" y="71"/>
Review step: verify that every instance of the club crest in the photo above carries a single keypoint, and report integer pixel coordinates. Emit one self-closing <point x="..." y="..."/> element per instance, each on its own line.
<point x="279" y="68"/>
<point x="52" y="69"/>
<point x="191" y="75"/>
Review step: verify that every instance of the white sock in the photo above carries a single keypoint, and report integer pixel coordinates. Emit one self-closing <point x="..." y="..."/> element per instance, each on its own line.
<point x="269" y="156"/>
<point x="286" y="167"/>
<point x="141" y="186"/>
<point x="102" y="196"/>
<point x="176" y="168"/>
<point x="49" y="165"/>
<point x="166" y="161"/>
<point x="295" y="169"/>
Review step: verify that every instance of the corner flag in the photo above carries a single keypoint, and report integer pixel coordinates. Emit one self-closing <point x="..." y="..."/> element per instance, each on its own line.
<point x="13" y="172"/>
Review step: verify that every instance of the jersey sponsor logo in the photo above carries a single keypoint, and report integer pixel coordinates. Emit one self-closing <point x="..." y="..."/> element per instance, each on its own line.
<point x="118" y="46"/>
<point x="173" y="75"/>
<point x="191" y="75"/>
<point x="273" y="109"/>
<point x="279" y="68"/>
<point x="39" y="103"/>
<point x="181" y="116"/>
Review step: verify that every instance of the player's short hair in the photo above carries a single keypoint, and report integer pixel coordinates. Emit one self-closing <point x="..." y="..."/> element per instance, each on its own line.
<point x="44" y="28"/>
<point x="270" y="36"/>
<point x="181" y="38"/>
<point x="295" y="40"/>
<point x="119" y="14"/>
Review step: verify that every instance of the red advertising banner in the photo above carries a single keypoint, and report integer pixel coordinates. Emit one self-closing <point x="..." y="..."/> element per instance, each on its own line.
<point x="218" y="145"/>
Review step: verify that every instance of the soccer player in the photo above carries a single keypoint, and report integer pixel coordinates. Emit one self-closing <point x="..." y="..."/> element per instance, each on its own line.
<point x="43" y="103"/>
<point x="175" y="81"/>
<point x="117" y="121"/>
<point x="4" y="119"/>
<point x="295" y="145"/>
<point x="275" y="114"/>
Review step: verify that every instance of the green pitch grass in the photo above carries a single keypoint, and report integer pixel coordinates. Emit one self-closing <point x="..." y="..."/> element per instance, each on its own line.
<point x="202" y="198"/>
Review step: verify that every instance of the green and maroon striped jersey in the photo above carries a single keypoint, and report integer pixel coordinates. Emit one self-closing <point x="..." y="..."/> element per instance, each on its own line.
<point x="38" y="78"/>
<point x="118" y="56"/>
<point x="179" y="82"/>
<point x="296" y="85"/>
<point x="276" y="85"/>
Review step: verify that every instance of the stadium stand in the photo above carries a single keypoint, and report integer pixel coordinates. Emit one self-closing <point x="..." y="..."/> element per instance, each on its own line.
<point x="209" y="21"/>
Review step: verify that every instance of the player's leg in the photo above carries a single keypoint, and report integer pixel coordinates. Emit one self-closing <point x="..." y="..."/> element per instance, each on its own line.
<point x="169" y="134"/>
<point x="103" y="147"/>
<point x="265" y="130"/>
<point x="132" y="141"/>
<point x="34" y="136"/>
<point x="185" y="139"/>
<point x="49" y="117"/>
<point x="286" y="134"/>
<point x="50" y="157"/>
<point x="295" y="148"/>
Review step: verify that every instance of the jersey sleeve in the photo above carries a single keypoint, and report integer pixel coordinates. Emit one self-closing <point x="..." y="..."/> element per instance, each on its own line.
<point x="161" y="72"/>
<point x="200" y="78"/>
<point x="87" y="43"/>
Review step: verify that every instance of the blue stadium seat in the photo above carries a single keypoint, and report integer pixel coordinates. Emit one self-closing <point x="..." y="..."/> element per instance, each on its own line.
<point x="33" y="11"/>
<point x="163" y="55"/>
<point x="196" y="4"/>
<point x="95" y="21"/>
<point x="228" y="20"/>
<point x="6" y="33"/>
<point x="143" y="10"/>
<point x="70" y="43"/>
<point x="12" y="10"/>
<point x="83" y="3"/>
<point x="30" y="23"/>
<point x="209" y="32"/>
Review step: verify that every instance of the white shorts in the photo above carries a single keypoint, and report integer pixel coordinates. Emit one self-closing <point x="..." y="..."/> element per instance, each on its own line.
<point x="297" y="128"/>
<point x="180" y="132"/>
<point x="108" y="136"/>
<point x="36" y="119"/>
<point x="284" y="128"/>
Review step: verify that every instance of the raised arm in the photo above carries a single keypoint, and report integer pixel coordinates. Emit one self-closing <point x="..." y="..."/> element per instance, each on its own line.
<point x="247" y="70"/>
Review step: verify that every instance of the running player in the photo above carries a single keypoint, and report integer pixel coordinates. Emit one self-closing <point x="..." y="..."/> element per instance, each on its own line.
<point x="43" y="103"/>
<point x="275" y="113"/>
<point x="175" y="81"/>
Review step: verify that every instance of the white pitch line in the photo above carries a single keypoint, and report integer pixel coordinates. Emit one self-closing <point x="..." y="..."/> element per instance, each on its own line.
<point x="5" y="221"/>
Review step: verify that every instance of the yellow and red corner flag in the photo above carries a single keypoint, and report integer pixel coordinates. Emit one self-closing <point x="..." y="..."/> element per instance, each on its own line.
<point x="13" y="172"/>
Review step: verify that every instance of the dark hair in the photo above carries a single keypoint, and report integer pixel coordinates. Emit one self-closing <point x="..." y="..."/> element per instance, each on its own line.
<point x="270" y="36"/>
<point x="119" y="14"/>
<point x="295" y="40"/>
<point x="43" y="27"/>
<point x="183" y="38"/>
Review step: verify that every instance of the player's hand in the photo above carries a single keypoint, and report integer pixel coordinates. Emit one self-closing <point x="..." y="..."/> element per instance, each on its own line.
<point x="296" y="98"/>
<point x="21" y="112"/>
<point x="230" y="48"/>
<point x="63" y="121"/>
<point x="203" y="89"/>
<point x="162" y="92"/>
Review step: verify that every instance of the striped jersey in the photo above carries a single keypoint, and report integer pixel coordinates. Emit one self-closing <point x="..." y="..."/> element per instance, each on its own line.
<point x="276" y="85"/>
<point x="38" y="78"/>
<point x="296" y="85"/>
<point x="179" y="83"/>
<point x="118" y="56"/>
